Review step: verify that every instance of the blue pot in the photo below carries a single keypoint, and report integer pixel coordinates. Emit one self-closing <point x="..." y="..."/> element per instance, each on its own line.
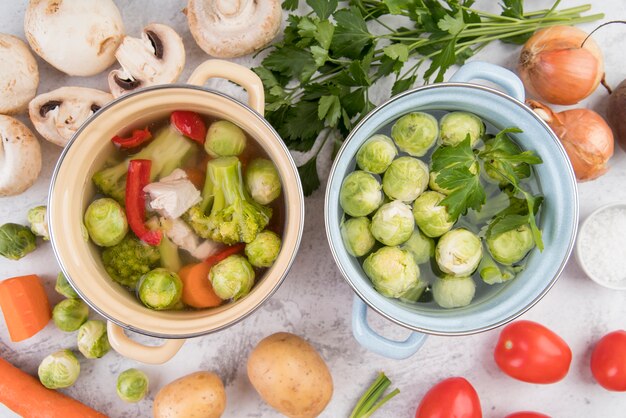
<point x="559" y="216"/>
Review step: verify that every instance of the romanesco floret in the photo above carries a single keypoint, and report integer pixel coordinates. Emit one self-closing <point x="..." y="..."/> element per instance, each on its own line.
<point x="127" y="261"/>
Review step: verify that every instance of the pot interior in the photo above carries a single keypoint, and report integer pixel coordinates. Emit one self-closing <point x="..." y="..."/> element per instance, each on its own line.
<point x="72" y="190"/>
<point x="559" y="216"/>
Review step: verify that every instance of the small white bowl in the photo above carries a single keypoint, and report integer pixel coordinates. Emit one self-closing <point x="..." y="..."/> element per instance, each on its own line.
<point x="581" y="257"/>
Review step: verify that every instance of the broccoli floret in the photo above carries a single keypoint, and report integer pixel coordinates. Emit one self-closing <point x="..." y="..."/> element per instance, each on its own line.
<point x="234" y="216"/>
<point x="167" y="151"/>
<point x="127" y="261"/>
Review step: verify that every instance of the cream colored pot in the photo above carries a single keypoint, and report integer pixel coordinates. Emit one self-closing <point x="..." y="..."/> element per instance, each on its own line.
<point x="72" y="190"/>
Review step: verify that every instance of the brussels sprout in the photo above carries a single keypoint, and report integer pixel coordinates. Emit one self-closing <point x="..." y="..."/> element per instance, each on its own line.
<point x="92" y="339"/>
<point x="433" y="219"/>
<point x="511" y="246"/>
<point x="393" y="223"/>
<point x="262" y="181"/>
<point x="38" y="222"/>
<point x="106" y="222"/>
<point x="59" y="370"/>
<point x="16" y="241"/>
<point x="69" y="314"/>
<point x="453" y="292"/>
<point x="421" y="247"/>
<point x="458" y="252"/>
<point x="492" y="273"/>
<point x="360" y="194"/>
<point x="393" y="271"/>
<point x="376" y="154"/>
<point x="405" y="179"/>
<point x="224" y="139"/>
<point x="264" y="249"/>
<point x="456" y="126"/>
<point x="64" y="288"/>
<point x="232" y="278"/>
<point x="357" y="237"/>
<point x="132" y="385"/>
<point x="160" y="289"/>
<point x="415" y="133"/>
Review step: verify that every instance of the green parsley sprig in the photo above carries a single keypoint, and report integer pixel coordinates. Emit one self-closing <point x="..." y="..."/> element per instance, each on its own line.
<point x="319" y="76"/>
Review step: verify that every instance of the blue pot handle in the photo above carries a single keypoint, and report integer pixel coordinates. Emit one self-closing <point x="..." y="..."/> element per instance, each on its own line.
<point x="494" y="73"/>
<point x="378" y="344"/>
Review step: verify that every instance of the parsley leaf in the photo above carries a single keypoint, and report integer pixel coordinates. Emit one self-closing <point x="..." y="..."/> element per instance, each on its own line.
<point x="309" y="177"/>
<point x="397" y="7"/>
<point x="292" y="62"/>
<point x="447" y="156"/>
<point x="452" y="24"/>
<point x="323" y="8"/>
<point x="329" y="109"/>
<point x="513" y="8"/>
<point x="442" y="61"/>
<point x="301" y="123"/>
<point x="290" y="4"/>
<point x="520" y="212"/>
<point x="402" y="84"/>
<point x="351" y="34"/>
<point x="398" y="52"/>
<point x="467" y="190"/>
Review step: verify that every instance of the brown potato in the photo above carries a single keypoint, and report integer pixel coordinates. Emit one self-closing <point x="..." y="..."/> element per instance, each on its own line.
<point x="198" y="395"/>
<point x="290" y="375"/>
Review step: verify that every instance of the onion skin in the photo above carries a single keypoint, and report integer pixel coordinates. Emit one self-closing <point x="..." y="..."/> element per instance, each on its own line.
<point x="616" y="113"/>
<point x="554" y="67"/>
<point x="585" y="135"/>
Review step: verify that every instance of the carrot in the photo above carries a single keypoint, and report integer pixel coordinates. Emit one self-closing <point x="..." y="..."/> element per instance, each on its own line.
<point x="25" y="306"/>
<point x="196" y="177"/>
<point x="26" y="396"/>
<point x="197" y="289"/>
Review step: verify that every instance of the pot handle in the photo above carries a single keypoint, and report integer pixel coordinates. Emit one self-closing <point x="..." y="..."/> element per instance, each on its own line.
<point x="236" y="73"/>
<point x="378" y="344"/>
<point x="494" y="73"/>
<point x="143" y="353"/>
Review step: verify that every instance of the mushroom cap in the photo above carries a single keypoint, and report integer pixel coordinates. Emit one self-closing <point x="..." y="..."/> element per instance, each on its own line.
<point x="232" y="28"/>
<point x="158" y="57"/>
<point x="78" y="37"/>
<point x="20" y="157"/>
<point x="19" y="75"/>
<point x="58" y="114"/>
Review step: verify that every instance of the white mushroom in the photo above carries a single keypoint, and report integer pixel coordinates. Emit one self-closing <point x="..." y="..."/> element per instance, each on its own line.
<point x="158" y="57"/>
<point x="232" y="28"/>
<point x="19" y="75"/>
<point x="58" y="114"/>
<point x="20" y="157"/>
<point x="78" y="37"/>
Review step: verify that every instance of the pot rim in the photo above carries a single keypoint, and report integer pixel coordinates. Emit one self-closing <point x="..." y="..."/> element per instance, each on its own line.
<point x="114" y="102"/>
<point x="495" y="324"/>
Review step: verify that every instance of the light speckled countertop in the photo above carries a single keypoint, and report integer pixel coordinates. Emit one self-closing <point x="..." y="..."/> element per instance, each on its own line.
<point x="315" y="301"/>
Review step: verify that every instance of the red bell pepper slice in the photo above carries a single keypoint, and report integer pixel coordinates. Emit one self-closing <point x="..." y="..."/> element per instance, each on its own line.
<point x="189" y="124"/>
<point x="137" y="178"/>
<point x="224" y="254"/>
<point x="138" y="137"/>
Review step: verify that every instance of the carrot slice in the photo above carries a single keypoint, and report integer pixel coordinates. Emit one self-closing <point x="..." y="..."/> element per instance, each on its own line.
<point x="197" y="289"/>
<point x="25" y="306"/>
<point x="26" y="396"/>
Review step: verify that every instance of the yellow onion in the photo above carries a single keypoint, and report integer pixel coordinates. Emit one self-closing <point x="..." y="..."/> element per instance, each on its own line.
<point x="585" y="135"/>
<point x="555" y="65"/>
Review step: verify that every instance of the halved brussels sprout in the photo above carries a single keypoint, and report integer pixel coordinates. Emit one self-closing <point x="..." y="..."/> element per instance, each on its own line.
<point x="420" y="246"/>
<point x="64" y="288"/>
<point x="393" y="223"/>
<point x="262" y="181"/>
<point x="376" y="154"/>
<point x="59" y="370"/>
<point x="393" y="271"/>
<point x="160" y="289"/>
<point x="92" y="339"/>
<point x="357" y="237"/>
<point x="232" y="278"/>
<point x="69" y="314"/>
<point x="224" y="139"/>
<point x="16" y="241"/>
<point x="264" y="249"/>
<point x="456" y="126"/>
<point x="453" y="291"/>
<point x="132" y="385"/>
<point x="405" y="179"/>
<point x="458" y="252"/>
<point x="433" y="219"/>
<point x="511" y="246"/>
<point x="415" y="133"/>
<point x="38" y="222"/>
<point x="492" y="273"/>
<point x="106" y="222"/>
<point x="360" y="194"/>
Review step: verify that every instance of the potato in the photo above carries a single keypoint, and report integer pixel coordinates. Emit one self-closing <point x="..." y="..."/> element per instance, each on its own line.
<point x="198" y="395"/>
<point x="290" y="375"/>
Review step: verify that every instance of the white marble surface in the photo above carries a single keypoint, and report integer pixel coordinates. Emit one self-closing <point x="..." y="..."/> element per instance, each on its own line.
<point x="315" y="301"/>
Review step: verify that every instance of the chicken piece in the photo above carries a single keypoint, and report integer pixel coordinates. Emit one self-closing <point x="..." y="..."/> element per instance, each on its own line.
<point x="173" y="195"/>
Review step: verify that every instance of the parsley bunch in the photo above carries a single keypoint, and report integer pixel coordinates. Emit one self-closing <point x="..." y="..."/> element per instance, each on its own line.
<point x="318" y="77"/>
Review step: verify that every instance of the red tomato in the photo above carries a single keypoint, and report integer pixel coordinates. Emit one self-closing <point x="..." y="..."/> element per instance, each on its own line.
<point x="527" y="414"/>
<point x="608" y="361"/>
<point x="451" y="398"/>
<point x="530" y="352"/>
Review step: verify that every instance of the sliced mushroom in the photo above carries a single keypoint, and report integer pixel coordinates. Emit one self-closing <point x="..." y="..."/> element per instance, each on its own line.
<point x="58" y="114"/>
<point x="19" y="75"/>
<point x="158" y="57"/>
<point x="232" y="28"/>
<point x="78" y="37"/>
<point x="20" y="157"/>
